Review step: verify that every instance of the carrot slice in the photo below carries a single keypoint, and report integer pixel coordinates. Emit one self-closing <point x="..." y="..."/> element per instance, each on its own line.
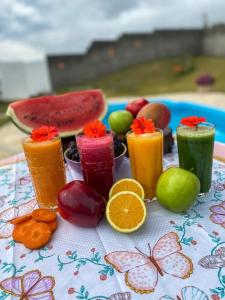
<point x="21" y="230"/>
<point x="37" y="236"/>
<point x="44" y="215"/>
<point x="21" y="219"/>
<point x="52" y="225"/>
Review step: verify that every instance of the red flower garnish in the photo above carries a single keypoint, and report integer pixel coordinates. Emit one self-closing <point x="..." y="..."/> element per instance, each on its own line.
<point x="95" y="129"/>
<point x="192" y="121"/>
<point x="44" y="133"/>
<point x="142" y="125"/>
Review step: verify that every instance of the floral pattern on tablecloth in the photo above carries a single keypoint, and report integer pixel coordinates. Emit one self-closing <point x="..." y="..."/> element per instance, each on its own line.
<point x="86" y="263"/>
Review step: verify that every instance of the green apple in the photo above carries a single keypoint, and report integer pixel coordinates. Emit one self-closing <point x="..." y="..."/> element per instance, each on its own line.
<point x="120" y="121"/>
<point x="177" y="189"/>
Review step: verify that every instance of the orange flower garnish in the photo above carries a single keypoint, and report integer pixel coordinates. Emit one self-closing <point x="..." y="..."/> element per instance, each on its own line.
<point x="192" y="121"/>
<point x="95" y="129"/>
<point x="142" y="125"/>
<point x="44" y="133"/>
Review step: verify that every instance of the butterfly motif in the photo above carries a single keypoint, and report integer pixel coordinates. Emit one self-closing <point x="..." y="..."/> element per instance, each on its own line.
<point x="141" y="271"/>
<point x="218" y="214"/>
<point x="214" y="261"/>
<point x="30" y="286"/>
<point x="6" y="215"/>
<point x="188" y="293"/>
<point x="121" y="296"/>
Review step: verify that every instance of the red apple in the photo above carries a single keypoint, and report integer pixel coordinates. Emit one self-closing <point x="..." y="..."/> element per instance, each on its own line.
<point x="81" y="205"/>
<point x="135" y="106"/>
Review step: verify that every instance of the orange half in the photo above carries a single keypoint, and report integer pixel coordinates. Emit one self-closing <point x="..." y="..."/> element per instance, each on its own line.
<point x="128" y="185"/>
<point x="126" y="212"/>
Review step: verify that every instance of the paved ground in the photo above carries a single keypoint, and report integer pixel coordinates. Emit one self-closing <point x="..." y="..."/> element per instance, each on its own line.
<point x="11" y="137"/>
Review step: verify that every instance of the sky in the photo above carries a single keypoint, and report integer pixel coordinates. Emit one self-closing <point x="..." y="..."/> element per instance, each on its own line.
<point x="29" y="28"/>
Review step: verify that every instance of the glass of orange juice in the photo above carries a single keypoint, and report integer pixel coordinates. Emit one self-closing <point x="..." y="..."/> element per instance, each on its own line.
<point x="146" y="159"/>
<point x="46" y="165"/>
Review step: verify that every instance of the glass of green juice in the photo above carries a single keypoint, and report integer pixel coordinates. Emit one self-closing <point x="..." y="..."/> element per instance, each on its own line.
<point x="195" y="151"/>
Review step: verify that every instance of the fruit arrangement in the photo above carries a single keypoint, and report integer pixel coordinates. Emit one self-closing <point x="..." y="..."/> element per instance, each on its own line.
<point x="34" y="230"/>
<point x="143" y="126"/>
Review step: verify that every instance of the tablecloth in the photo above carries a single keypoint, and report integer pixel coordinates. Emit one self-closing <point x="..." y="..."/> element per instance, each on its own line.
<point x="173" y="256"/>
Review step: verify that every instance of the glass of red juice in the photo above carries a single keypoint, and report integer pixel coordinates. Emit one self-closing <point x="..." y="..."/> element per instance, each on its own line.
<point x="195" y="151"/>
<point x="97" y="161"/>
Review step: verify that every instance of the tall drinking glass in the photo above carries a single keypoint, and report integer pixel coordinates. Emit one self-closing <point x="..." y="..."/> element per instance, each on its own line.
<point x="97" y="161"/>
<point x="46" y="165"/>
<point x="146" y="159"/>
<point x="195" y="150"/>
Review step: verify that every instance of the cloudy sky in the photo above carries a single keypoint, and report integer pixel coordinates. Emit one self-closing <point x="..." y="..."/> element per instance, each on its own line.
<point x="30" y="27"/>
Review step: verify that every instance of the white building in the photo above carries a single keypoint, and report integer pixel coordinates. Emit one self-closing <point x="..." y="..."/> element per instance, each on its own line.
<point x="23" y="73"/>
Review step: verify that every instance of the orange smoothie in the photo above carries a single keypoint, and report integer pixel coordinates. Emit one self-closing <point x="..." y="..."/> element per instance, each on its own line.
<point x="46" y="165"/>
<point x="146" y="159"/>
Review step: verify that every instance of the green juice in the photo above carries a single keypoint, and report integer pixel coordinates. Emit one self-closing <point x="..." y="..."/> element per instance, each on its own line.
<point x="195" y="150"/>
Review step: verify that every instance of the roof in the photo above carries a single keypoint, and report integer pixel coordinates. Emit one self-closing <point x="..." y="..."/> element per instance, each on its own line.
<point x="135" y="35"/>
<point x="101" y="44"/>
<point x="65" y="56"/>
<point x="172" y="31"/>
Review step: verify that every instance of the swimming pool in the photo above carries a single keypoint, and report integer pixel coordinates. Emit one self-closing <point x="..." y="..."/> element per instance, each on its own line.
<point x="184" y="109"/>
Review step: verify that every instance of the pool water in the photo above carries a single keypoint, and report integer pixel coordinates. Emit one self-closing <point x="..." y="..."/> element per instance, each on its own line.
<point x="180" y="110"/>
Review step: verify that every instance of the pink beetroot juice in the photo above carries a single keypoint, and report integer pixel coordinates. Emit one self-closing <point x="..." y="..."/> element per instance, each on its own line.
<point x="97" y="162"/>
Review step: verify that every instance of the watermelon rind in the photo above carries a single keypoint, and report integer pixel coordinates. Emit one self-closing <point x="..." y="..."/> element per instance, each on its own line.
<point x="11" y="114"/>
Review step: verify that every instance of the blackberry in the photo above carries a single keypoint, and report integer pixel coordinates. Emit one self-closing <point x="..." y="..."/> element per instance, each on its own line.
<point x="66" y="142"/>
<point x="118" y="147"/>
<point x="73" y="153"/>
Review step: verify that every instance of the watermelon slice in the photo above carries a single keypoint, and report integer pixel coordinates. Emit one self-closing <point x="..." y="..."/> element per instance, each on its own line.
<point x="68" y="112"/>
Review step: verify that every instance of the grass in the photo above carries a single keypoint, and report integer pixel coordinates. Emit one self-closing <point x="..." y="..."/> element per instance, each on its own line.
<point x="157" y="76"/>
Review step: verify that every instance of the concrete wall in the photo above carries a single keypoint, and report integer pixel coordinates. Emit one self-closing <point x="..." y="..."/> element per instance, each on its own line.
<point x="214" y="41"/>
<point x="105" y="57"/>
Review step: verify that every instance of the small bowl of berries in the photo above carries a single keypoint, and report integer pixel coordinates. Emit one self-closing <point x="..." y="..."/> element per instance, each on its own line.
<point x="72" y="156"/>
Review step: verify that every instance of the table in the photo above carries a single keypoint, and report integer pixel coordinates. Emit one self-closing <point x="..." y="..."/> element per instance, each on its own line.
<point x="100" y="263"/>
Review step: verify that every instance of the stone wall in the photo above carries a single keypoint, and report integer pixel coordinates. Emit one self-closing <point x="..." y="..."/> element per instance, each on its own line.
<point x="105" y="57"/>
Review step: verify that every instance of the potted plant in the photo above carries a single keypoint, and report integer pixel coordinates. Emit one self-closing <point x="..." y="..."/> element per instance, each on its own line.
<point x="205" y="83"/>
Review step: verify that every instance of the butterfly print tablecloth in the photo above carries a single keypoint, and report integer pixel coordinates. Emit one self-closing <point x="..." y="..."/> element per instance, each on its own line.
<point x="173" y="256"/>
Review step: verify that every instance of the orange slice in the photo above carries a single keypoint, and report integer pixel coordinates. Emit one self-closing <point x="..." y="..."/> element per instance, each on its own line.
<point x="126" y="212"/>
<point x="127" y="184"/>
<point x="21" y="230"/>
<point x="21" y="219"/>
<point x="37" y="236"/>
<point x="44" y="215"/>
